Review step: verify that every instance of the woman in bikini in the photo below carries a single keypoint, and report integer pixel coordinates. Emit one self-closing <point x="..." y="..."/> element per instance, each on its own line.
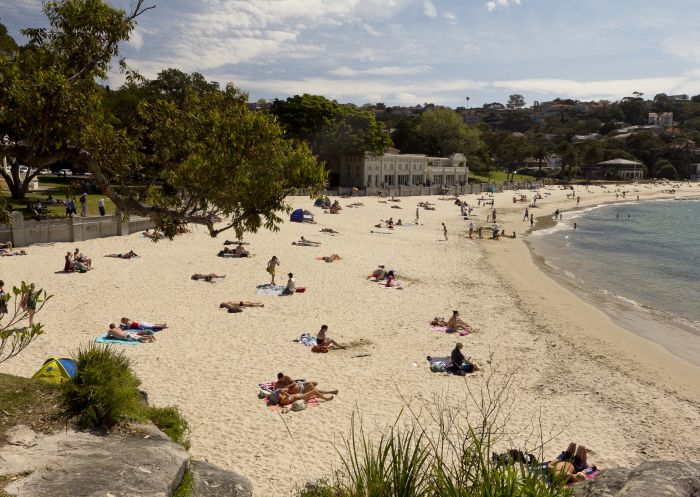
<point x="569" y="464"/>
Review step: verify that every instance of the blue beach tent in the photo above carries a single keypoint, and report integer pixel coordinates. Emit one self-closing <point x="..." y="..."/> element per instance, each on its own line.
<point x="56" y="370"/>
<point x="297" y="216"/>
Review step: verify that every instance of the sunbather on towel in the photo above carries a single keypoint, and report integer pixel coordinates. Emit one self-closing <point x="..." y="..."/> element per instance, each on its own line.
<point x="126" y="255"/>
<point x="569" y="464"/>
<point x="141" y="325"/>
<point x="207" y="277"/>
<point x="322" y="339"/>
<point x="378" y="274"/>
<point x="292" y="386"/>
<point x="241" y="303"/>
<point x="331" y="258"/>
<point x="10" y="252"/>
<point x="283" y="398"/>
<point x="117" y="333"/>
<point x="238" y="251"/>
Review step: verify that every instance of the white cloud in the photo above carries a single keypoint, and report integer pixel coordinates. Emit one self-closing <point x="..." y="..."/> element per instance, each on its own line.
<point x="429" y="8"/>
<point x="380" y="71"/>
<point x="450" y="16"/>
<point x="491" y="6"/>
<point x="136" y="39"/>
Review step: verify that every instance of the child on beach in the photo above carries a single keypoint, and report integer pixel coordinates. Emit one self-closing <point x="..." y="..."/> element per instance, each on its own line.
<point x="271" y="265"/>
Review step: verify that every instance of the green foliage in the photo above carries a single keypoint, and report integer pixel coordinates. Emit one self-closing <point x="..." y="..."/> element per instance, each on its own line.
<point x="329" y="128"/>
<point x="184" y="489"/>
<point x="104" y="390"/>
<point x="667" y="171"/>
<point x="7" y="43"/>
<point x="15" y="335"/>
<point x="442" y="132"/>
<point x="170" y="421"/>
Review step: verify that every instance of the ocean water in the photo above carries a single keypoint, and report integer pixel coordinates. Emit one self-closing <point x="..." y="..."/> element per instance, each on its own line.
<point x="638" y="261"/>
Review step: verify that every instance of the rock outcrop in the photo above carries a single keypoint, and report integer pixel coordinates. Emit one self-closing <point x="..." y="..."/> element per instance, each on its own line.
<point x="212" y="481"/>
<point x="81" y="464"/>
<point x="649" y="479"/>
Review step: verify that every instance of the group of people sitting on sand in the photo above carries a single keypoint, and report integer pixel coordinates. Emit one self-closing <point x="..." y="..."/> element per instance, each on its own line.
<point x="335" y="208"/>
<point x="7" y="250"/>
<point x="389" y="223"/>
<point x="287" y="391"/>
<point x="238" y="251"/>
<point x="134" y="331"/>
<point x="77" y="262"/>
<point x="126" y="255"/>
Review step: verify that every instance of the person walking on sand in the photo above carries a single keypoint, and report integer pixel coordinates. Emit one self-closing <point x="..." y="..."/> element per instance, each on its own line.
<point x="417" y="215"/>
<point x="271" y="265"/>
<point x="444" y="230"/>
<point x="532" y="220"/>
<point x="471" y="229"/>
<point x="527" y="214"/>
<point x="493" y="215"/>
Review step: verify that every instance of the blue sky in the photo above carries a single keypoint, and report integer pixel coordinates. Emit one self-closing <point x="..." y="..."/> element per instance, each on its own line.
<point x="406" y="52"/>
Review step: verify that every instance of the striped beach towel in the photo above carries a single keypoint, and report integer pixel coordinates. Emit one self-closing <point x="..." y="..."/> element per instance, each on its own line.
<point x="312" y="402"/>
<point x="269" y="289"/>
<point x="104" y="339"/>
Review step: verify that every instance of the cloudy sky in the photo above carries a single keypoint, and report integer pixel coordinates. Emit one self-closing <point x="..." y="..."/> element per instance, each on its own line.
<point x="404" y="52"/>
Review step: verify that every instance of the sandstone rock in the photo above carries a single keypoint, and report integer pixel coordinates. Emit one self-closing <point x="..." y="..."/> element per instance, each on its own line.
<point x="80" y="464"/>
<point x="649" y="479"/>
<point x="212" y="481"/>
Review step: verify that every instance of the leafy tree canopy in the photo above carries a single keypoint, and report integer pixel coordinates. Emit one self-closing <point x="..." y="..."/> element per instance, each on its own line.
<point x="186" y="152"/>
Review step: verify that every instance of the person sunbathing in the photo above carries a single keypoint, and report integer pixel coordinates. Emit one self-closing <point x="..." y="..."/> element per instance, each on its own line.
<point x="378" y="274"/>
<point x="117" y="333"/>
<point x="207" y="277"/>
<point x="331" y="258"/>
<point x="284" y="398"/>
<point x="329" y="230"/>
<point x="141" y="325"/>
<point x="304" y="240"/>
<point x="323" y="340"/>
<point x="126" y="255"/>
<point x="237" y="242"/>
<point x="241" y="303"/>
<point x="570" y="464"/>
<point x="453" y="324"/>
<point x="156" y="235"/>
<point x="295" y="386"/>
<point x="240" y="251"/>
<point x="10" y="252"/>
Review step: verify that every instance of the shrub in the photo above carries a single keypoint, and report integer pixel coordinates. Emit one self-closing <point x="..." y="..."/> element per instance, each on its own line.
<point x="170" y="421"/>
<point x="104" y="390"/>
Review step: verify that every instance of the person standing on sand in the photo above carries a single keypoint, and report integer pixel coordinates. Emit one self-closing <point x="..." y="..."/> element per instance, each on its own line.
<point x="493" y="215"/>
<point x="471" y="230"/>
<point x="527" y="214"/>
<point x="271" y="265"/>
<point x="578" y="200"/>
<point x="417" y="215"/>
<point x="532" y="220"/>
<point x="444" y="230"/>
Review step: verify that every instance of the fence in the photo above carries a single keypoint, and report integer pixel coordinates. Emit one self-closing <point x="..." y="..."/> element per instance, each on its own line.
<point x="24" y="232"/>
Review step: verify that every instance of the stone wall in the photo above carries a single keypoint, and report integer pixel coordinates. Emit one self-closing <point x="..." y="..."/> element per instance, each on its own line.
<point x="25" y="232"/>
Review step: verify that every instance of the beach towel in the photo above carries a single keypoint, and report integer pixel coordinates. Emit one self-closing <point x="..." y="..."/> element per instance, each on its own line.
<point x="307" y="340"/>
<point x="235" y="256"/>
<point x="443" y="329"/>
<point x="104" y="339"/>
<point x="269" y="289"/>
<point x="444" y="361"/>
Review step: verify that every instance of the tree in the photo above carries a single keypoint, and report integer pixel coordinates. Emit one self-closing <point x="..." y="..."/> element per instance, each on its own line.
<point x="442" y="132"/>
<point x="7" y="43"/>
<point x="15" y="334"/>
<point x="405" y="136"/>
<point x="189" y="157"/>
<point x="540" y="148"/>
<point x="516" y="102"/>
<point x="667" y="171"/>
<point x="511" y="152"/>
<point x="331" y="129"/>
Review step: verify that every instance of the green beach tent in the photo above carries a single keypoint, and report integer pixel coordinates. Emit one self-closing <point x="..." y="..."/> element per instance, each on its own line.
<point x="56" y="370"/>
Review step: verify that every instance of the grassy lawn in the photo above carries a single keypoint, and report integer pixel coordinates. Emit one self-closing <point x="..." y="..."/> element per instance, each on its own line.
<point x="498" y="177"/>
<point x="58" y="188"/>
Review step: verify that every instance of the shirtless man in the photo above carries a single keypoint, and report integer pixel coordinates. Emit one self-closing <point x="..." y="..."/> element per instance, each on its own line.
<point x="207" y="277"/>
<point x="131" y="336"/>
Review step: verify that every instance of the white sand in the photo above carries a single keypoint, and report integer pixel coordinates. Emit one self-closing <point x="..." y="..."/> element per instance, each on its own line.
<point x="624" y="397"/>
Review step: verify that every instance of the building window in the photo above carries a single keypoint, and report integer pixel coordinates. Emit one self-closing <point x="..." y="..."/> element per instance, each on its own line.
<point x="388" y="179"/>
<point x="437" y="179"/>
<point x="417" y="179"/>
<point x="403" y="179"/>
<point x="369" y="180"/>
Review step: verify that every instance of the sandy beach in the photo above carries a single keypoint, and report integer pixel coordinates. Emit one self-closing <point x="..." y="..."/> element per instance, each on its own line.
<point x="587" y="379"/>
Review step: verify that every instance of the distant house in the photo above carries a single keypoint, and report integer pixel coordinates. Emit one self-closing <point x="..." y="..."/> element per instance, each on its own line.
<point x="662" y="119"/>
<point x="552" y="161"/>
<point x="364" y="171"/>
<point x="694" y="171"/>
<point x="615" y="169"/>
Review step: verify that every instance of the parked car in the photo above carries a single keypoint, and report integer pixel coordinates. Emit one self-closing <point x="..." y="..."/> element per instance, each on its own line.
<point x="65" y="172"/>
<point x="45" y="171"/>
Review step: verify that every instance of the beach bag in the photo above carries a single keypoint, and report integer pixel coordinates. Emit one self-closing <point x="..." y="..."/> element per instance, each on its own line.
<point x="437" y="367"/>
<point x="319" y="348"/>
<point x="274" y="397"/>
<point x="299" y="405"/>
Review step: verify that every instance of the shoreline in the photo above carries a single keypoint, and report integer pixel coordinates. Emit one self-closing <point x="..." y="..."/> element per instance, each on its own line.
<point x="535" y="282"/>
<point x="654" y="324"/>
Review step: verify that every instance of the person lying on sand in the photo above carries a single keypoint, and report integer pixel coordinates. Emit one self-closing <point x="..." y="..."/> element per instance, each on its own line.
<point x="155" y="235"/>
<point x="283" y="398"/>
<point x="126" y="255"/>
<point x="303" y="242"/>
<point x="322" y="339"/>
<point x="241" y="303"/>
<point x="284" y="382"/>
<point x="117" y="333"/>
<point x="10" y="252"/>
<point x="378" y="274"/>
<point x="453" y="324"/>
<point x="330" y="230"/>
<point x="141" y="325"/>
<point x="570" y="464"/>
<point x="238" y="251"/>
<point x="207" y="277"/>
<point x="237" y="242"/>
<point x="331" y="258"/>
